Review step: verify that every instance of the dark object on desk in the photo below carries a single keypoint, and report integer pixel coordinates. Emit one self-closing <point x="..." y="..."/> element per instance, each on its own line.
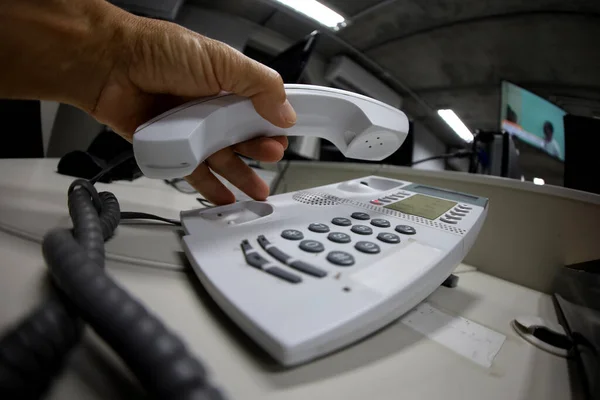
<point x="107" y="146"/>
<point x="451" y="281"/>
<point x="582" y="146"/>
<point x="495" y="153"/>
<point x="577" y="301"/>
<point x="291" y="63"/>
<point x="457" y="154"/>
<point x="22" y="117"/>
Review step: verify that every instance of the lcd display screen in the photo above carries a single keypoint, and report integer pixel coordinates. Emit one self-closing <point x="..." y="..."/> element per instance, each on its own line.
<point x="422" y="206"/>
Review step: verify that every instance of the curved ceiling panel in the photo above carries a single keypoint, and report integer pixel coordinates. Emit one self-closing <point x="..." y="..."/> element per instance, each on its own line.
<point x="349" y="8"/>
<point x="530" y="48"/>
<point x="401" y="18"/>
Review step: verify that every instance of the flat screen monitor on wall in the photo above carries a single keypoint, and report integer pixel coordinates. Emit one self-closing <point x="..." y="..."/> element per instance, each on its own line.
<point x="533" y="119"/>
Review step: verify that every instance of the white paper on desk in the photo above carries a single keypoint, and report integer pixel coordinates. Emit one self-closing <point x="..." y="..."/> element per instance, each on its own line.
<point x="467" y="338"/>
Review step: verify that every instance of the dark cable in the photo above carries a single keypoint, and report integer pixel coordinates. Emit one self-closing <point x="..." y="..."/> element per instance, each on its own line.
<point x="141" y="215"/>
<point x="33" y="352"/>
<point x="114" y="163"/>
<point x="205" y="202"/>
<point x="457" y="154"/>
<point x="279" y="178"/>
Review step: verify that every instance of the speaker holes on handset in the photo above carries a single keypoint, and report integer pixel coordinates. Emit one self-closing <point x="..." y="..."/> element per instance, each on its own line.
<point x="346" y="289"/>
<point x="370" y="146"/>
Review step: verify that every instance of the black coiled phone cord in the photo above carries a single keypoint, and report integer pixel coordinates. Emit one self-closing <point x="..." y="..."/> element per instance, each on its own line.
<point x="33" y="352"/>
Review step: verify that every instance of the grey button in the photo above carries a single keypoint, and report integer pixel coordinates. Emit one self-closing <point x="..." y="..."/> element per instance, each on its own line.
<point x="380" y="223"/>
<point x="263" y="241"/>
<point x="367" y="247"/>
<point x="278" y="254"/>
<point x="283" y="274"/>
<point x="448" y="221"/>
<point x="362" y="229"/>
<point x="246" y="246"/>
<point x="312" y="246"/>
<point x="452" y="217"/>
<point x="252" y="257"/>
<point x="340" y="258"/>
<point x="361" y="216"/>
<point x="405" y="229"/>
<point x="308" y="269"/>
<point x="387" y="237"/>
<point x="292" y="234"/>
<point x="319" y="228"/>
<point x="384" y="200"/>
<point x="458" y="214"/>
<point x="341" y="221"/>
<point x="255" y="260"/>
<point x="393" y="197"/>
<point x="339" y="237"/>
<point x="464" y="207"/>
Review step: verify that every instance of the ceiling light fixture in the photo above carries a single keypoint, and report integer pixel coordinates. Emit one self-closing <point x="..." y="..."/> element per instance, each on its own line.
<point x="317" y="11"/>
<point x="456" y="124"/>
<point x="538" y="181"/>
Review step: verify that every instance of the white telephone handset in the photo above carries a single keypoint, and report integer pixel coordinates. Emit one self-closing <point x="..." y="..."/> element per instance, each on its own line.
<point x="174" y="143"/>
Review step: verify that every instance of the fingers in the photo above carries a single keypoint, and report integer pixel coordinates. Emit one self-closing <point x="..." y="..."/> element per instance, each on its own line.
<point x="209" y="186"/>
<point x="227" y="164"/>
<point x="263" y="148"/>
<point x="241" y="75"/>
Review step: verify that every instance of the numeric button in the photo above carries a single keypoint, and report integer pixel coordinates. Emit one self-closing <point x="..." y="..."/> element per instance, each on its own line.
<point x="387" y="237"/>
<point x="380" y="223"/>
<point x="339" y="237"/>
<point x="312" y="246"/>
<point x="340" y="258"/>
<point x="406" y="229"/>
<point x="341" y="221"/>
<point x="361" y="216"/>
<point x="318" y="228"/>
<point x="292" y="234"/>
<point x="367" y="247"/>
<point x="362" y="230"/>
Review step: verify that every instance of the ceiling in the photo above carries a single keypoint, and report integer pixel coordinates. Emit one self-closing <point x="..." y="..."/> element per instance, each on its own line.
<point x="454" y="53"/>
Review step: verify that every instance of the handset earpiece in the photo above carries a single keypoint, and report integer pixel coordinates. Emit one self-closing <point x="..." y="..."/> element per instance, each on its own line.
<point x="173" y="144"/>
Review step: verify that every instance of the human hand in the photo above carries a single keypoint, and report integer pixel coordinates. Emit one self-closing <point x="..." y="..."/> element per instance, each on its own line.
<point x="124" y="70"/>
<point x="164" y="65"/>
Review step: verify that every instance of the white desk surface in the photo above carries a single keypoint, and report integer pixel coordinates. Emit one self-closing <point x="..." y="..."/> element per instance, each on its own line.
<point x="394" y="363"/>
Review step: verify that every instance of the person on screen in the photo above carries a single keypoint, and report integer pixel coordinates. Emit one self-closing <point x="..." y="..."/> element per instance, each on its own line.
<point x="550" y="144"/>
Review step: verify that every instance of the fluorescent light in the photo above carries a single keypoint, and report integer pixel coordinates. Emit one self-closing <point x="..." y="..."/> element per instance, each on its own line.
<point x="317" y="11"/>
<point x="456" y="124"/>
<point x="538" y="181"/>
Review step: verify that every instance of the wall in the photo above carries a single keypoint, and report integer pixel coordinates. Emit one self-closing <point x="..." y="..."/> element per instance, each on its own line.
<point x="48" y="111"/>
<point x="426" y="144"/>
<point x="225" y="28"/>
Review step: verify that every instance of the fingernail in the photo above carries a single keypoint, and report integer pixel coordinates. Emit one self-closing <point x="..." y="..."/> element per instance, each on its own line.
<point x="287" y="112"/>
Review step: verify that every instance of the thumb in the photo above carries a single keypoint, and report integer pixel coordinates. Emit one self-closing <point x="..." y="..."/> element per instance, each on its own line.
<point x="239" y="74"/>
